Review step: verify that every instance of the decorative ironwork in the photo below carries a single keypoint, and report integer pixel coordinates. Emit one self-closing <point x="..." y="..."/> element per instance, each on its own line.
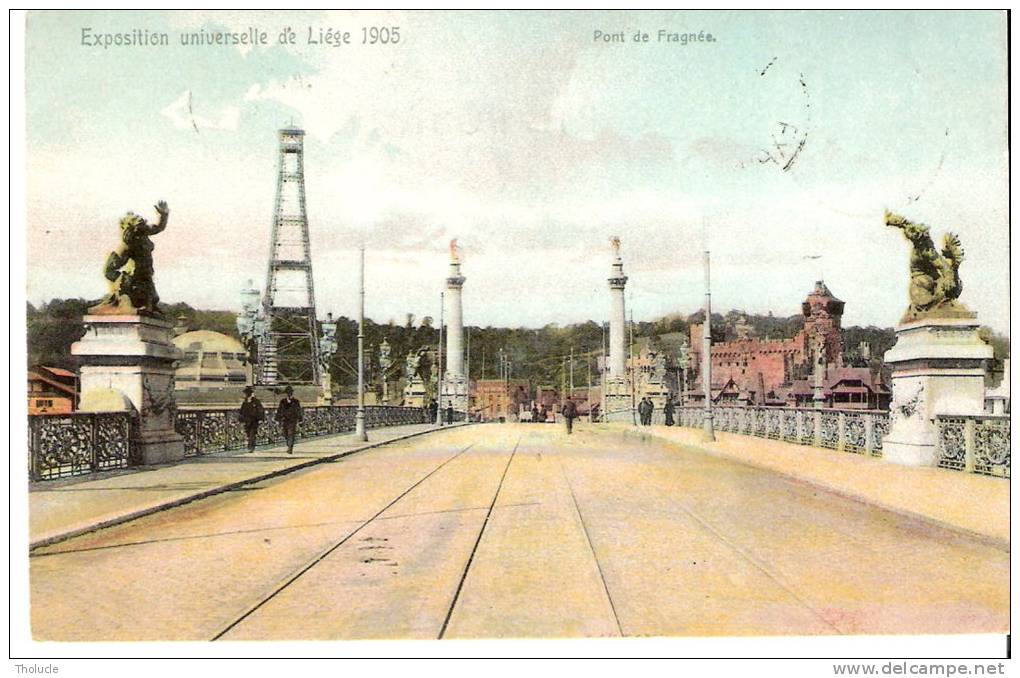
<point x="952" y="443"/>
<point x="806" y="432"/>
<point x="879" y="430"/>
<point x="62" y="445"/>
<point x="791" y="420"/>
<point x="830" y="429"/>
<point x="991" y="446"/>
<point x="207" y="431"/>
<point x="861" y="431"/>
<point x="773" y="424"/>
<point x="978" y="443"/>
<point x="854" y="432"/>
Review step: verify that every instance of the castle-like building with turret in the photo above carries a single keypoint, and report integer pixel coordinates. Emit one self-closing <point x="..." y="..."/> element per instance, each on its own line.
<point x="752" y="370"/>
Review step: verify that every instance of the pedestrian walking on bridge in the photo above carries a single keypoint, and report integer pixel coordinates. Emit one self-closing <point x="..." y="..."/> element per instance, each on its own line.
<point x="669" y="410"/>
<point x="251" y="415"/>
<point x="569" y="414"/>
<point x="289" y="414"/>
<point x="645" y="408"/>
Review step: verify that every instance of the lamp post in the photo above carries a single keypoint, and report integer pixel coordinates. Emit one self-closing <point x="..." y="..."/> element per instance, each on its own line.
<point x="384" y="367"/>
<point x="359" y="418"/>
<point x="633" y="382"/>
<point x="249" y="328"/>
<point x="706" y="353"/>
<point x="683" y="362"/>
<point x="602" y="379"/>
<point x="439" y="371"/>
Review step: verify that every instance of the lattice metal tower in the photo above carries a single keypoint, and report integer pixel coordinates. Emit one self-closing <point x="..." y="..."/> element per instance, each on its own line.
<point x="290" y="348"/>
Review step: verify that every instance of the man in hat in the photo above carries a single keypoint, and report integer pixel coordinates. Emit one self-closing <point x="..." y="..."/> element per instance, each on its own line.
<point x="569" y="414"/>
<point x="288" y="413"/>
<point x="252" y="413"/>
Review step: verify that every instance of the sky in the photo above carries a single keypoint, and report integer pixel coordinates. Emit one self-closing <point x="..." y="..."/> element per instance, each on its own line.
<point x="531" y="142"/>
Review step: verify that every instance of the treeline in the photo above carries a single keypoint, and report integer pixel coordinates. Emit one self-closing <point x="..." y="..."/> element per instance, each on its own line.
<point x="538" y="354"/>
<point x="55" y="325"/>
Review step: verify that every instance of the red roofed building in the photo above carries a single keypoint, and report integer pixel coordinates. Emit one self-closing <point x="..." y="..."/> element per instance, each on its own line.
<point x="847" y="388"/>
<point x="753" y="371"/>
<point x="51" y="389"/>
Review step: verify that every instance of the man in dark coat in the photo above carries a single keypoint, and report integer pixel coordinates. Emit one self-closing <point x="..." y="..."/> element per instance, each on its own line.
<point x="645" y="408"/>
<point x="449" y="413"/>
<point x="534" y="414"/>
<point x="289" y="413"/>
<point x="433" y="411"/>
<point x="252" y="413"/>
<point x="668" y="410"/>
<point x="569" y="414"/>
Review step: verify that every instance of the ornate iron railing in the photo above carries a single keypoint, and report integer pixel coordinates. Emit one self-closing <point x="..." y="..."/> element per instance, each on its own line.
<point x="857" y="431"/>
<point x="61" y="445"/>
<point x="206" y="431"/>
<point x="974" y="443"/>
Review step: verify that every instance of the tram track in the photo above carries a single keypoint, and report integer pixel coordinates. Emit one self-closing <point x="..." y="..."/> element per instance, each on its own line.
<point x="478" y="540"/>
<point x="304" y="569"/>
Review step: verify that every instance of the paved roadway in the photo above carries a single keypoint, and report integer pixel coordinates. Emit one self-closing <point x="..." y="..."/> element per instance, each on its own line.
<point x="518" y="531"/>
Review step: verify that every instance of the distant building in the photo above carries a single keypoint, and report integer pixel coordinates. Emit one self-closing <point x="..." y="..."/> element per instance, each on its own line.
<point x="211" y="360"/>
<point x="492" y="399"/>
<point x="846" y="388"/>
<point x="51" y="390"/>
<point x="651" y="378"/>
<point x="754" y="371"/>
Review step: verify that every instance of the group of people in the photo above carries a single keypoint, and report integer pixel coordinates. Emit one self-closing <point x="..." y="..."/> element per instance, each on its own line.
<point x="288" y="413"/>
<point x="539" y="415"/>
<point x="646" y="408"/>
<point x="433" y="409"/>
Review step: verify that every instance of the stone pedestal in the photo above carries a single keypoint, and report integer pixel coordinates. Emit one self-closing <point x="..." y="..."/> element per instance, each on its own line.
<point x="938" y="367"/>
<point x="618" y="395"/>
<point x="414" y="393"/>
<point x="455" y="392"/>
<point x="326" y="394"/>
<point x="131" y="356"/>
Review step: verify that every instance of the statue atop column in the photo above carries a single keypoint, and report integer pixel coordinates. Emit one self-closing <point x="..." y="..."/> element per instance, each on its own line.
<point x="935" y="283"/>
<point x="129" y="268"/>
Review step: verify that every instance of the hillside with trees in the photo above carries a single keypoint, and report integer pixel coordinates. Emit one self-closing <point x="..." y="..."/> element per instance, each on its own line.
<point x="537" y="354"/>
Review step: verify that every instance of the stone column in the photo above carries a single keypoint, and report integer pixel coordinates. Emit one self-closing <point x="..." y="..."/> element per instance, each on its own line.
<point x="938" y="367"/>
<point x="454" y="381"/>
<point x="616" y="379"/>
<point x="617" y="320"/>
<point x="127" y="362"/>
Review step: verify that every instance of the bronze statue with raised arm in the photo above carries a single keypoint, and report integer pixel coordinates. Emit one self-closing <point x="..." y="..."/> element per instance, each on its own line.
<point x="129" y="269"/>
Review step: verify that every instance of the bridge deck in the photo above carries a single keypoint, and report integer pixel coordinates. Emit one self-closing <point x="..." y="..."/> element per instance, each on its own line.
<point x="507" y="531"/>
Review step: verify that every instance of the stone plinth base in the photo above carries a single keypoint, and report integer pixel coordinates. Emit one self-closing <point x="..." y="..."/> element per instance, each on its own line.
<point x="656" y="392"/>
<point x="132" y="356"/>
<point x="414" y="393"/>
<point x="455" y="392"/>
<point x="618" y="397"/>
<point x="938" y="367"/>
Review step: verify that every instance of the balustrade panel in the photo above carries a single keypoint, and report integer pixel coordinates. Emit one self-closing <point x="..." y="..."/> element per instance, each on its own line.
<point x="72" y="444"/>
